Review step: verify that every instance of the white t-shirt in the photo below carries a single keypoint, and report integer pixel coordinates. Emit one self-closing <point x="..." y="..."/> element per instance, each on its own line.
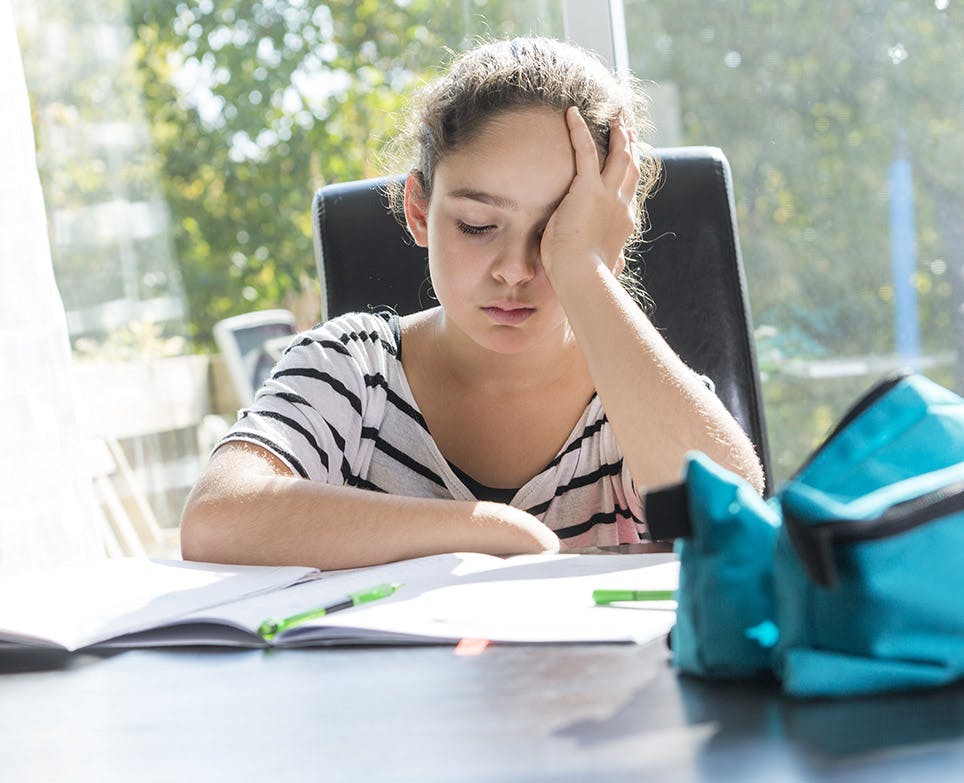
<point x="338" y="408"/>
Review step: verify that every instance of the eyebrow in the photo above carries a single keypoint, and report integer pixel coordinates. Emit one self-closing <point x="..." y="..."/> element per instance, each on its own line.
<point x="486" y="198"/>
<point x="502" y="202"/>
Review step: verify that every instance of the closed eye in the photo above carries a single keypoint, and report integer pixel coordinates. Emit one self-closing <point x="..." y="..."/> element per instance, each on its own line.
<point x="467" y="228"/>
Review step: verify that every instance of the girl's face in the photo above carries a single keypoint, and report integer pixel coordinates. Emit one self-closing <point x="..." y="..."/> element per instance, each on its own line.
<point x="483" y="226"/>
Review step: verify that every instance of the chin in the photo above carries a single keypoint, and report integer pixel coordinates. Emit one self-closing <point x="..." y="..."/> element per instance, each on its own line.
<point x="511" y="341"/>
<point x="507" y="344"/>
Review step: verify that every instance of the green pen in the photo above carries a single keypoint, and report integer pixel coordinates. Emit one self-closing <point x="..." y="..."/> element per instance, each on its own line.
<point x="602" y="597"/>
<point x="271" y="628"/>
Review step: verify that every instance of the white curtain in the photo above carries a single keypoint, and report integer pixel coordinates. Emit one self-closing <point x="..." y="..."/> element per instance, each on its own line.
<point x="48" y="515"/>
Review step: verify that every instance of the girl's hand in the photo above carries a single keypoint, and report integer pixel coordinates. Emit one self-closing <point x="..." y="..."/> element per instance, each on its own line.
<point x="598" y="214"/>
<point x="509" y="530"/>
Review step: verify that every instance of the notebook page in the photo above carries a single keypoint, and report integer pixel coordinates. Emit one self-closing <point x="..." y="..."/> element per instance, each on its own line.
<point x="80" y="605"/>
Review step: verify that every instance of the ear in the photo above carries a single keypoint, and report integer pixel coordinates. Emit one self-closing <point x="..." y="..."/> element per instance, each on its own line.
<point x="416" y="209"/>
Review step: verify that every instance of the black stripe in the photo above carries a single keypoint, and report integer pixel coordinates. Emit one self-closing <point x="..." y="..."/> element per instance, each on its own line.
<point x="609" y="469"/>
<point x="366" y="337"/>
<point x="357" y="481"/>
<point x="245" y="435"/>
<point x="318" y="375"/>
<point x="395" y="325"/>
<point x="602" y="518"/>
<point x="291" y="397"/>
<point x="340" y="445"/>
<point x="335" y="435"/>
<point x="369" y="433"/>
<point x="334" y="345"/>
<point x="602" y="471"/>
<point x="289" y="422"/>
<point x="587" y="433"/>
<point x="405" y="408"/>
<point x="408" y="462"/>
<point x="378" y="380"/>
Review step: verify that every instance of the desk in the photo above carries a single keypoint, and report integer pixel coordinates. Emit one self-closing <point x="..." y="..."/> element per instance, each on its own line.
<point x="566" y="714"/>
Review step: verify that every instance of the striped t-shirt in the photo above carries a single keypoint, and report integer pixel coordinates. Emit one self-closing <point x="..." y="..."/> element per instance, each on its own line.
<point x="338" y="408"/>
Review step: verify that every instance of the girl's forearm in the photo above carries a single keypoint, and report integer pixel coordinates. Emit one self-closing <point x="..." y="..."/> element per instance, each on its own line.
<point x="659" y="408"/>
<point x="241" y="513"/>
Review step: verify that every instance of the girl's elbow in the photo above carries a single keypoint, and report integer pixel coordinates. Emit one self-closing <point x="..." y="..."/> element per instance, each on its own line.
<point x="751" y="469"/>
<point x="199" y="539"/>
<point x="192" y="543"/>
<point x="756" y="478"/>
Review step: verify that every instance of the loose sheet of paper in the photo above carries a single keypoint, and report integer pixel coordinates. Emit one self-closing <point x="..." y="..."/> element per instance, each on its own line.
<point x="535" y="598"/>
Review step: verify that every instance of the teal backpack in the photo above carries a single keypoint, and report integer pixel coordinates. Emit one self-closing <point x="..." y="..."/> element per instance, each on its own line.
<point x="848" y="581"/>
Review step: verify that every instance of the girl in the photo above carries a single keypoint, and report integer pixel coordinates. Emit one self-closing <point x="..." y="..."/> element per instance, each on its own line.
<point x="533" y="406"/>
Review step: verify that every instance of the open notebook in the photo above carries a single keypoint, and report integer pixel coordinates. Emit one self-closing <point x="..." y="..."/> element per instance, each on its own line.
<point x="138" y="602"/>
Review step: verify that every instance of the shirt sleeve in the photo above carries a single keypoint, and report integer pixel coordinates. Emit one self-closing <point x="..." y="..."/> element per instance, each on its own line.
<point x="315" y="409"/>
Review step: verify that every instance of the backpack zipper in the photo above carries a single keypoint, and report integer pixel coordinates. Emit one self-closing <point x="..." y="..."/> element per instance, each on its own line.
<point x="815" y="542"/>
<point x="870" y="397"/>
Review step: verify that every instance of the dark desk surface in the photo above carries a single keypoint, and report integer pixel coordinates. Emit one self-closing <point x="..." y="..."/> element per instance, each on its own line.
<point x="572" y="713"/>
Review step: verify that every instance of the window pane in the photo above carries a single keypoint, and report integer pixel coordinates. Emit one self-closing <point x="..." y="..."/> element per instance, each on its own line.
<point x="842" y="123"/>
<point x="115" y="264"/>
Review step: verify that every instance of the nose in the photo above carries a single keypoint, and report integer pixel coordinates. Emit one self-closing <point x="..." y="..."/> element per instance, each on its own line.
<point x="517" y="262"/>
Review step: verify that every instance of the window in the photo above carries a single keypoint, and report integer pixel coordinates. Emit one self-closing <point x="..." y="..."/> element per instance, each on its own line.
<point x="842" y="123"/>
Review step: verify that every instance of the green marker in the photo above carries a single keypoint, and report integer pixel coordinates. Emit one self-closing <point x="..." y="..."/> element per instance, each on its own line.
<point x="271" y="628"/>
<point x="602" y="597"/>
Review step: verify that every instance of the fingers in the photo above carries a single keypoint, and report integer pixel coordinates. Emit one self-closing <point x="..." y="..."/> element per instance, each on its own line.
<point x="632" y="178"/>
<point x="602" y="198"/>
<point x="621" y="172"/>
<point x="587" y="158"/>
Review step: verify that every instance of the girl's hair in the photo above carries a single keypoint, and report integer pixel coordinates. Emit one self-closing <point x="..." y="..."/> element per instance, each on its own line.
<point x="520" y="73"/>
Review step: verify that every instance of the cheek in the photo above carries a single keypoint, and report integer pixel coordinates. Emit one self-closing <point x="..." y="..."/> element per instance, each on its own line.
<point x="453" y="253"/>
<point x="449" y="269"/>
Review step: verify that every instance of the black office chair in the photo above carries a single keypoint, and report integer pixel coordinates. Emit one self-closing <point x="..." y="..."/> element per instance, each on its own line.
<point x="689" y="264"/>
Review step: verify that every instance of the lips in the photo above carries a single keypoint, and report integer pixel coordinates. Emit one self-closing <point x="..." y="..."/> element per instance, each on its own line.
<point x="508" y="313"/>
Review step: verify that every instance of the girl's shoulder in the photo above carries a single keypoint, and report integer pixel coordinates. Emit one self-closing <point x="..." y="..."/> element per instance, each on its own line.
<point x="417" y="329"/>
<point x="375" y="333"/>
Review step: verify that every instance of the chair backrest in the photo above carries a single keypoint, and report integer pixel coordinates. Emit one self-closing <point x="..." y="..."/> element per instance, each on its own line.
<point x="689" y="264"/>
